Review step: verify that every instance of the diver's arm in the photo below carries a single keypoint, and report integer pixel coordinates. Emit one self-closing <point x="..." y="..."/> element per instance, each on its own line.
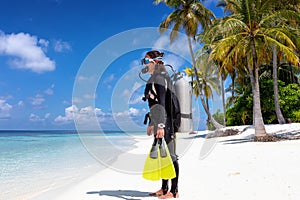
<point x="158" y="112"/>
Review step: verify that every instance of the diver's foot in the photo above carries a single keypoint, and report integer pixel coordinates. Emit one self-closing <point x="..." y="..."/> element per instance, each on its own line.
<point x="157" y="193"/>
<point x="169" y="195"/>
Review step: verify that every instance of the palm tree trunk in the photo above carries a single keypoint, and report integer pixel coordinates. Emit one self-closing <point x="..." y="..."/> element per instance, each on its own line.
<point x="233" y="86"/>
<point x="223" y="99"/>
<point x="251" y="74"/>
<point x="292" y="73"/>
<point x="259" y="125"/>
<point x="279" y="115"/>
<point x="210" y="117"/>
<point x="207" y="121"/>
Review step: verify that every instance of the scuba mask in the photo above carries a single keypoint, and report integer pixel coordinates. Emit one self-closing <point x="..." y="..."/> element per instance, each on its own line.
<point x="146" y="61"/>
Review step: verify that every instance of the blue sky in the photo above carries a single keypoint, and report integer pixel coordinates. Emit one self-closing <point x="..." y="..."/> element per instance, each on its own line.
<point x="44" y="45"/>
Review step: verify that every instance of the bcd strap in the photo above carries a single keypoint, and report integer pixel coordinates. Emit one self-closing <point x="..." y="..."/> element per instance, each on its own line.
<point x="146" y="118"/>
<point x="187" y="116"/>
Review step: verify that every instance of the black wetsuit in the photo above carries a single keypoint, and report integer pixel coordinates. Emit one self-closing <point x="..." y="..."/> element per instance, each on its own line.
<point x="159" y="113"/>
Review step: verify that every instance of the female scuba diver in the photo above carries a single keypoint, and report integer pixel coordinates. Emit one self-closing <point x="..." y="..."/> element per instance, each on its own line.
<point x="161" y="123"/>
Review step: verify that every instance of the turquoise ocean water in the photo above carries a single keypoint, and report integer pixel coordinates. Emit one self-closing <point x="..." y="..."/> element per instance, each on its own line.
<point x="33" y="162"/>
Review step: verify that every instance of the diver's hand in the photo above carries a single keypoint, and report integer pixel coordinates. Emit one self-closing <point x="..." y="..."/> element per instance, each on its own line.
<point x="150" y="130"/>
<point x="160" y="133"/>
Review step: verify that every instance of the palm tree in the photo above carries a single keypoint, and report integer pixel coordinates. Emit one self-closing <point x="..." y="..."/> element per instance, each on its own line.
<point x="280" y="6"/>
<point x="187" y="16"/>
<point x="245" y="34"/>
<point x="223" y="77"/>
<point x="205" y="50"/>
<point x="279" y="114"/>
<point x="208" y="77"/>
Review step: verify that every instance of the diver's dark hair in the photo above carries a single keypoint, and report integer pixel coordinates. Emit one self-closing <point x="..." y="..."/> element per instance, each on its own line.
<point x="160" y="64"/>
<point x="154" y="54"/>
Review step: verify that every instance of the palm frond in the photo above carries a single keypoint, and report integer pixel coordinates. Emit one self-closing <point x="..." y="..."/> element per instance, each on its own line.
<point x="278" y="18"/>
<point x="289" y="52"/>
<point x="169" y="21"/>
<point x="232" y="26"/>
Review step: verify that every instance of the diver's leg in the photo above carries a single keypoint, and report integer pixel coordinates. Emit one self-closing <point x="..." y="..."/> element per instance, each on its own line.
<point x="174" y="181"/>
<point x="170" y="140"/>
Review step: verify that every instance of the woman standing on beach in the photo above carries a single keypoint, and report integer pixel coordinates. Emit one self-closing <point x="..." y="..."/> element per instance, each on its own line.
<point x="160" y="119"/>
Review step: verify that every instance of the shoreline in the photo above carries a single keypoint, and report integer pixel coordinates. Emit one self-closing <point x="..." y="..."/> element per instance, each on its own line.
<point x="235" y="168"/>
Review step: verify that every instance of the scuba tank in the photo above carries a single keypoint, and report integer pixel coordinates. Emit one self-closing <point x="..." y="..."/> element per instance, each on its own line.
<point x="183" y="92"/>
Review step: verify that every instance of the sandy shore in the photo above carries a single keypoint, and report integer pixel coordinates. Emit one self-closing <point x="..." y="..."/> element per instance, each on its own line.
<point x="230" y="168"/>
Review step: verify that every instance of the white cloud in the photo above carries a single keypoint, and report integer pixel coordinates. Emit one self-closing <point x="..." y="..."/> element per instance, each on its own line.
<point x="88" y="114"/>
<point x="35" y="118"/>
<point x="134" y="112"/>
<point x="21" y="103"/>
<point x="68" y="118"/>
<point x="4" y="106"/>
<point x="60" y="46"/>
<point x="26" y="52"/>
<point x="44" y="44"/>
<point x="82" y="116"/>
<point x="37" y="100"/>
<point x="5" y="109"/>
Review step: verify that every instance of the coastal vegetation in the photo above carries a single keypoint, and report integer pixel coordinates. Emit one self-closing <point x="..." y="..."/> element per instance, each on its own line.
<point x="256" y="46"/>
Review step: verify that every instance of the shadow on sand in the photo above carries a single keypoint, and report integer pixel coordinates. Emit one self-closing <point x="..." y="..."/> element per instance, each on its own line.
<point x="237" y="141"/>
<point x="192" y="136"/>
<point x="122" y="194"/>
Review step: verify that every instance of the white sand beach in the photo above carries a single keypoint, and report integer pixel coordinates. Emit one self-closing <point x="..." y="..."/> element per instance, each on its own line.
<point x="235" y="168"/>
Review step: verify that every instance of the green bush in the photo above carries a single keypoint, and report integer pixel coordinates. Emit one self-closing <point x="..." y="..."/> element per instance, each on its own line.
<point x="241" y="113"/>
<point x="289" y="98"/>
<point x="290" y="101"/>
<point x="296" y="116"/>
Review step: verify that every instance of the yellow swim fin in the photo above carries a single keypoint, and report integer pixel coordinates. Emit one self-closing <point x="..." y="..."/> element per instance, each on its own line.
<point x="166" y="164"/>
<point x="152" y="167"/>
<point x="160" y="167"/>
